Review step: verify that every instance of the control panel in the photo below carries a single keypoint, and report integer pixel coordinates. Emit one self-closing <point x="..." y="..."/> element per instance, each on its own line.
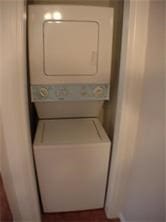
<point x="69" y="92"/>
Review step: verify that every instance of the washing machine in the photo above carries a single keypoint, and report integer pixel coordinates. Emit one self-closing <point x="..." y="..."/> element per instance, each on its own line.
<point x="72" y="157"/>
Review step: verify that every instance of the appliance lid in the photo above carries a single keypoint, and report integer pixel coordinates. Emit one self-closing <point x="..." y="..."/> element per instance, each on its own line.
<point x="69" y="131"/>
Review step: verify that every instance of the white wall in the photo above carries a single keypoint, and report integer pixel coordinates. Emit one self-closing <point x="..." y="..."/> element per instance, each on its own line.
<point x="17" y="163"/>
<point x="144" y="200"/>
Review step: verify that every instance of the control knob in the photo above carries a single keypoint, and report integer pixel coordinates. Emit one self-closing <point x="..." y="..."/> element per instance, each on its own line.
<point x="98" y="91"/>
<point x="43" y="92"/>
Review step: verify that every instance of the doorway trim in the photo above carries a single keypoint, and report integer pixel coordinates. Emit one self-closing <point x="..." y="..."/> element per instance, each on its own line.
<point x="132" y="68"/>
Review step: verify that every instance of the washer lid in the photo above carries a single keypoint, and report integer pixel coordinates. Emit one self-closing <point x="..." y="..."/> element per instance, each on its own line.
<point x="70" y="131"/>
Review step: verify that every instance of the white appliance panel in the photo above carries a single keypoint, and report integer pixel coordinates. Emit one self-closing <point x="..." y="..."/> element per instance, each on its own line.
<point x="70" y="132"/>
<point x="70" y="48"/>
<point x="85" y="57"/>
<point x="65" y="109"/>
<point x="72" y="159"/>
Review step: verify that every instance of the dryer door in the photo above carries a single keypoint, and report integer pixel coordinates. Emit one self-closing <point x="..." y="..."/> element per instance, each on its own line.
<point x="69" y="44"/>
<point x="70" y="48"/>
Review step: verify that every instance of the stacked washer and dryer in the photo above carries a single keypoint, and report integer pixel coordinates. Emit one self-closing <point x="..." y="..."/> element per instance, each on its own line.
<point x="70" y="50"/>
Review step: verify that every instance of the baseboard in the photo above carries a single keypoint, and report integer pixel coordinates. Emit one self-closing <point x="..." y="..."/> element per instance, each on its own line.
<point x="122" y="218"/>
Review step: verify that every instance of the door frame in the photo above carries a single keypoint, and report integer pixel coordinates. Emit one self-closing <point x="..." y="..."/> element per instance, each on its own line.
<point x="132" y="68"/>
